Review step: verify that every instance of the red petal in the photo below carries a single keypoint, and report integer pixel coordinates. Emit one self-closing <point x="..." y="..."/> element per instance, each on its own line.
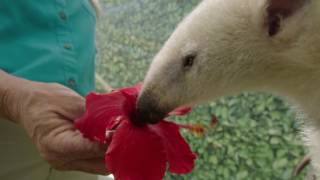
<point x="136" y="153"/>
<point x="181" y="111"/>
<point x="104" y="112"/>
<point x="132" y="91"/>
<point x="179" y="155"/>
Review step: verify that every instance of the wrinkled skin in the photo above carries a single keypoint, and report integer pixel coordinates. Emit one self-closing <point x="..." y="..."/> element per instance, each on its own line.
<point x="47" y="112"/>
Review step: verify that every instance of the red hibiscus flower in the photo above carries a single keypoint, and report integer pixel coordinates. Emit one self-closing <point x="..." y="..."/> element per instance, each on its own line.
<point x="135" y="152"/>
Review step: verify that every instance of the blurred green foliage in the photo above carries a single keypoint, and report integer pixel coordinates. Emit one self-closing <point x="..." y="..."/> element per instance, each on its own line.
<point x="257" y="136"/>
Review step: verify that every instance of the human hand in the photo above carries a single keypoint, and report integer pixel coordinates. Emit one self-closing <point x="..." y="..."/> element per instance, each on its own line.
<point x="47" y="112"/>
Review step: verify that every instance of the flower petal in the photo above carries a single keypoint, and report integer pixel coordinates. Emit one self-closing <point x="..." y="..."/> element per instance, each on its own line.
<point x="104" y="112"/>
<point x="136" y="153"/>
<point x="179" y="155"/>
<point x="181" y="111"/>
<point x="132" y="91"/>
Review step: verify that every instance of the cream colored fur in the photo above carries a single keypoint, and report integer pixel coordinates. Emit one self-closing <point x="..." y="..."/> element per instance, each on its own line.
<point x="236" y="54"/>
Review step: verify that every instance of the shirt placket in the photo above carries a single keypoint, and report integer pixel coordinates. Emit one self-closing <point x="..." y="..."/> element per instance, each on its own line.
<point x="66" y="45"/>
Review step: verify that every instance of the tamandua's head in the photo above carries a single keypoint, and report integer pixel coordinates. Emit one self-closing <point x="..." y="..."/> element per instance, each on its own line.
<point x="227" y="46"/>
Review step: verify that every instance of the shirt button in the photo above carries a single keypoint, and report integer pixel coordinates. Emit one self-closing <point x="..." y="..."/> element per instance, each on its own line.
<point x="62" y="15"/>
<point x="72" y="82"/>
<point x="67" y="46"/>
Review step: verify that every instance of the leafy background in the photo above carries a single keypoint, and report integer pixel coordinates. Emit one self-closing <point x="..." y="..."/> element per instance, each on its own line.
<point x="257" y="136"/>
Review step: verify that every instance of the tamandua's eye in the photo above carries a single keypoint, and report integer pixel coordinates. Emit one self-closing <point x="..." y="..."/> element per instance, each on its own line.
<point x="188" y="61"/>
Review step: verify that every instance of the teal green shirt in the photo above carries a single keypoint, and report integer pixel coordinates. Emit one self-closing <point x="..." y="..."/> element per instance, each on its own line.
<point x="49" y="41"/>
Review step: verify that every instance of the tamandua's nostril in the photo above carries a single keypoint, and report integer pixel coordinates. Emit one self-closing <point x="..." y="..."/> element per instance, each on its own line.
<point x="147" y="117"/>
<point x="147" y="112"/>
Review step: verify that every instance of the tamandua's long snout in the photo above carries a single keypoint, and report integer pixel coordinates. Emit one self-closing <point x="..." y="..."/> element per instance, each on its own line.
<point x="148" y="110"/>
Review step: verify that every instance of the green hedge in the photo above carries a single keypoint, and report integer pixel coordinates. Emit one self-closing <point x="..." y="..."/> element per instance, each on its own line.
<point x="257" y="137"/>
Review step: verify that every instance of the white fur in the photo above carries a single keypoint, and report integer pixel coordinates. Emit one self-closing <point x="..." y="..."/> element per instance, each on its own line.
<point x="235" y="54"/>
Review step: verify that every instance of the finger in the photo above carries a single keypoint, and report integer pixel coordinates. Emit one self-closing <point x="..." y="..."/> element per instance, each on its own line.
<point x="69" y="104"/>
<point x="78" y="108"/>
<point x="93" y="166"/>
<point x="73" y="145"/>
<point x="72" y="108"/>
<point x="83" y="147"/>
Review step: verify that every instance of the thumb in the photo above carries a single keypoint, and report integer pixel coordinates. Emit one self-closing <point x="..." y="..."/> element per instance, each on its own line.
<point x="72" y="143"/>
<point x="73" y="108"/>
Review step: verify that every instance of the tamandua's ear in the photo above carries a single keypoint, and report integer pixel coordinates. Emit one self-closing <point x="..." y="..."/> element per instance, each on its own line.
<point x="278" y="10"/>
